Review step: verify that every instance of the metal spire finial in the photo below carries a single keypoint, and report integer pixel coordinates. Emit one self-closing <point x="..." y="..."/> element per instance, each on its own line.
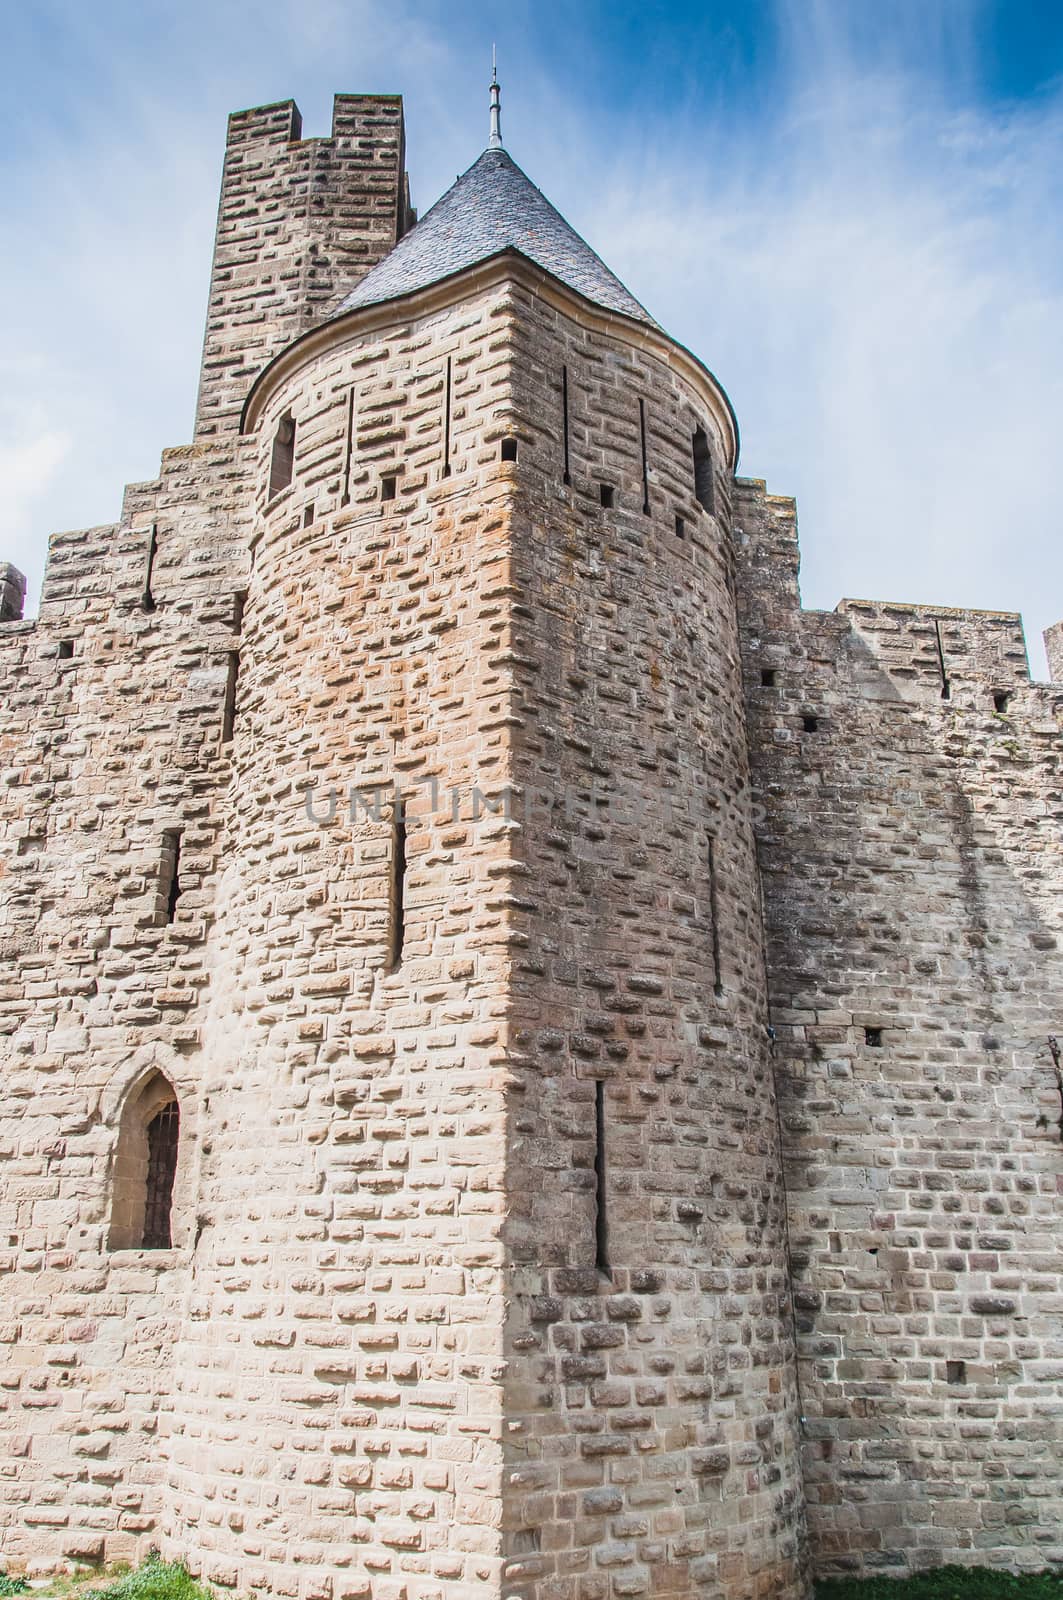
<point x="495" y="141"/>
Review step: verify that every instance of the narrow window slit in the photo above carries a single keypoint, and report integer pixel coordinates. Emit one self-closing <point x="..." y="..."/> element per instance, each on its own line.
<point x="163" y="1132"/>
<point x="607" y="496"/>
<point x="564" y="421"/>
<point x="645" y="459"/>
<point x="282" y="460"/>
<point x="946" y="686"/>
<point x="509" y="450"/>
<point x="1001" y="700"/>
<point x="704" y="486"/>
<point x="228" y="713"/>
<point x="446" y="417"/>
<point x="66" y="650"/>
<point x="397" y="934"/>
<point x="601" y="1216"/>
<point x="170" y="888"/>
<point x="147" y="599"/>
<point x="956" y="1372"/>
<point x="680" y="527"/>
<point x="308" y="515"/>
<point x="714" y="912"/>
<point x="873" y="1038"/>
<point x="388" y="487"/>
<point x="348" y="451"/>
<point x="768" y="678"/>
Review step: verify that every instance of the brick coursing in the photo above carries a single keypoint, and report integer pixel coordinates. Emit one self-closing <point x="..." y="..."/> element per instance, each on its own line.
<point x="910" y="863"/>
<point x="300" y="221"/>
<point x="737" y="920"/>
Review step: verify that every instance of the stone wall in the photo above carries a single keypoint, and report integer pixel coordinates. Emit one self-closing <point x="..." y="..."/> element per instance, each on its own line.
<point x="483" y="1272"/>
<point x="112" y="737"/>
<point x="907" y="777"/>
<point x="337" y="1425"/>
<point x="650" y="1395"/>
<point x="353" y="1376"/>
<point x="117" y="701"/>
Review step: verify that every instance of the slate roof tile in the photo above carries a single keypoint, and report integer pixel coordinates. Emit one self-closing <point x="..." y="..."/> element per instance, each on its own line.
<point x="492" y="207"/>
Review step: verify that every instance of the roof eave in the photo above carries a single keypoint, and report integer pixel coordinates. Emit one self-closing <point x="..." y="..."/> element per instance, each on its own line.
<point x="481" y="275"/>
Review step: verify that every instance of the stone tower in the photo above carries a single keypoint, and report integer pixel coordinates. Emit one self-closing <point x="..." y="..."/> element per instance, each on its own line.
<point x="431" y="830"/>
<point x="395" y="1202"/>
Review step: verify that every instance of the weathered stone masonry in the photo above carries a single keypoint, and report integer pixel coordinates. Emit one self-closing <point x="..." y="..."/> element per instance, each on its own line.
<point x="910" y="792"/>
<point x="484" y="1257"/>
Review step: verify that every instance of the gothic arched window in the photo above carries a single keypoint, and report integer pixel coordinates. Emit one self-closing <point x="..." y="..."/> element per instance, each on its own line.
<point x="145" y="1168"/>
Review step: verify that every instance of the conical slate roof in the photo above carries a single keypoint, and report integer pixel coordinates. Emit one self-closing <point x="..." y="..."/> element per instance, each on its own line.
<point x="492" y="207"/>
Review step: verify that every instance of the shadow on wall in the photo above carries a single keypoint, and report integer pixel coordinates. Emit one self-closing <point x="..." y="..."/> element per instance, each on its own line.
<point x="911" y="870"/>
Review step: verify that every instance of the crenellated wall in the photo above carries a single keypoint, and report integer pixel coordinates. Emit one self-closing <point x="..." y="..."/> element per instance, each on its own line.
<point x="909" y="797"/>
<point x="349" y="1386"/>
<point x="581" y="973"/>
<point x="111" y="736"/>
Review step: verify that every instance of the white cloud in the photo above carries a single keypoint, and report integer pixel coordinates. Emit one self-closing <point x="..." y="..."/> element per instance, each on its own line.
<point x="27" y="465"/>
<point x="32" y="453"/>
<point x="867" y="255"/>
<point x="877" y="280"/>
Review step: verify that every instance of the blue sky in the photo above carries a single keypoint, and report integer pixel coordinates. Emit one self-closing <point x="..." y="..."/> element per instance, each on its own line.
<point x="851" y="209"/>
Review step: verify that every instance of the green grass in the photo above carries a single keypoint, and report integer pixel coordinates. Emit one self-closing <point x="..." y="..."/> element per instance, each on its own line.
<point x="62" y="1585"/>
<point x="168" y="1580"/>
<point x="947" y="1583"/>
<point x="154" y="1580"/>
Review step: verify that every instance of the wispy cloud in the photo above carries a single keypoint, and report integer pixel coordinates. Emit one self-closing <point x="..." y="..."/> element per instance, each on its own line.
<point x="32" y="453"/>
<point x="827" y="209"/>
<point x="876" y="275"/>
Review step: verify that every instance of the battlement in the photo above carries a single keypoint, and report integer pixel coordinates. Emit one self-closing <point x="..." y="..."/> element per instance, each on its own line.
<point x="300" y="222"/>
<point x="905" y="771"/>
<point x="281" y="122"/>
<point x="12" y="593"/>
<point x="943" y="648"/>
<point x="1053" y="638"/>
